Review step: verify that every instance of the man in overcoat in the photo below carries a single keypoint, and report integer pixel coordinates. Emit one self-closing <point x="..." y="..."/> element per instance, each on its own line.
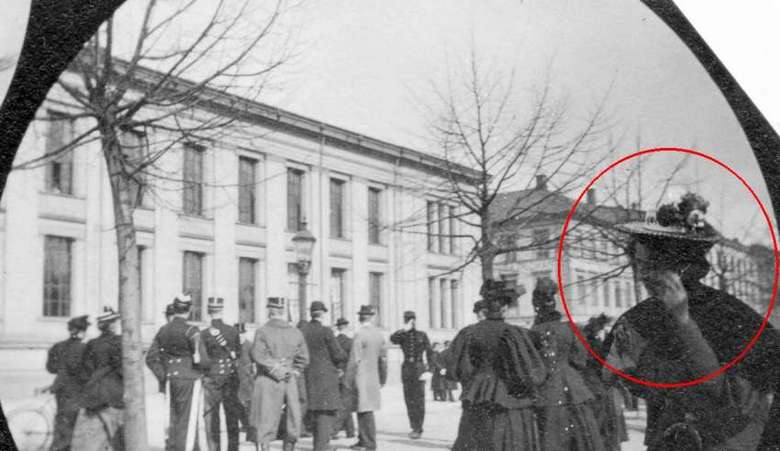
<point x="174" y="358"/>
<point x="220" y="381"/>
<point x="100" y="421"/>
<point x="414" y="344"/>
<point x="344" y="420"/>
<point x="366" y="375"/>
<point x="280" y="352"/>
<point x="64" y="360"/>
<point x="322" y="376"/>
<point x="246" y="381"/>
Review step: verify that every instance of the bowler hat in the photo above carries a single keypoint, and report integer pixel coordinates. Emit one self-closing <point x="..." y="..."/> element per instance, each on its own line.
<point x="240" y="327"/>
<point x="276" y="302"/>
<point x="341" y="322"/>
<point x="182" y="303"/>
<point x="409" y="315"/>
<point x="479" y="306"/>
<point x="107" y="316"/>
<point x="216" y="305"/>
<point x="79" y="323"/>
<point x="366" y="310"/>
<point x="317" y="306"/>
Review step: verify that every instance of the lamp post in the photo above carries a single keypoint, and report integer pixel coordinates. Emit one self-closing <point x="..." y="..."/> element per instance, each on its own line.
<point x="303" y="242"/>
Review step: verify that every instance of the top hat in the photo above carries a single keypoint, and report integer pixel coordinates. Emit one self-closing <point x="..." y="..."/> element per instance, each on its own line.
<point x="683" y="220"/>
<point x="240" y="327"/>
<point x="107" y="316"/>
<point x="79" y="323"/>
<point x="341" y="322"/>
<point x="216" y="305"/>
<point x="276" y="302"/>
<point x="409" y="315"/>
<point x="479" y="306"/>
<point x="169" y="310"/>
<point x="182" y="303"/>
<point x="366" y="310"/>
<point x="317" y="306"/>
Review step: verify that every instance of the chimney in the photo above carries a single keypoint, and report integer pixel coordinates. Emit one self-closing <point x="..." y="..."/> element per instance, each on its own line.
<point x="592" y="196"/>
<point x="541" y="182"/>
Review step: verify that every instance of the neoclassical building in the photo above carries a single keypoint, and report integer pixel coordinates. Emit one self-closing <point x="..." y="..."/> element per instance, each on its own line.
<point x="221" y="224"/>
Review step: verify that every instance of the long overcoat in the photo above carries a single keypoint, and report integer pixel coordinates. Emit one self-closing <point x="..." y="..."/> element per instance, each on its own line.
<point x="103" y="372"/>
<point x="367" y="369"/>
<point x="246" y="373"/>
<point x="278" y="349"/>
<point x="322" y="378"/>
<point x="64" y="360"/>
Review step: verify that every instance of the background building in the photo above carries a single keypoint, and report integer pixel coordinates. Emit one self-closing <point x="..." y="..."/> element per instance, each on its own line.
<point x="221" y="224"/>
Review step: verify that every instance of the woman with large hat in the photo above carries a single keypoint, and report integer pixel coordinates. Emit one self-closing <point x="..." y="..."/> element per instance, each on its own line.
<point x="566" y="420"/>
<point x="499" y="369"/>
<point x="685" y="331"/>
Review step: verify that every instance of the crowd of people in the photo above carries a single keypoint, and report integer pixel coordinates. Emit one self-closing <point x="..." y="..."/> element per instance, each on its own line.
<point x="522" y="388"/>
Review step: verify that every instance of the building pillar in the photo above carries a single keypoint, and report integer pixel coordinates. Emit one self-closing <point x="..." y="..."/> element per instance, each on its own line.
<point x="276" y="221"/>
<point x="225" y="214"/>
<point x="359" y="270"/>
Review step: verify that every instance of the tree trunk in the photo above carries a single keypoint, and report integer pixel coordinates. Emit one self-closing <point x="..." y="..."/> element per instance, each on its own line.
<point x="486" y="260"/>
<point x="124" y="201"/>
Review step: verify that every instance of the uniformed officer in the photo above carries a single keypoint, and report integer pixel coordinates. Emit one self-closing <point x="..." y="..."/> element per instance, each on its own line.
<point x="100" y="421"/>
<point x="174" y="358"/>
<point x="344" y="421"/>
<point x="222" y="344"/>
<point x="413" y="343"/>
<point x="64" y="360"/>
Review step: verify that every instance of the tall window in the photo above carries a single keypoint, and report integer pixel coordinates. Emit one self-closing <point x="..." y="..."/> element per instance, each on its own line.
<point x="453" y="228"/>
<point x="336" y="208"/>
<point x="432" y="300"/>
<point x="192" y="283"/>
<point x="294" y="199"/>
<point x="59" y="170"/>
<point x="594" y="289"/>
<point x="627" y="293"/>
<point x="193" y="181"/>
<point x="454" y="302"/>
<point x="134" y="147"/>
<point x="430" y="216"/>
<point x="540" y="238"/>
<point x="57" y="274"/>
<point x="292" y="297"/>
<point x="247" y="190"/>
<point x="374" y="215"/>
<point x="444" y="293"/>
<point x="375" y="280"/>
<point x="444" y="237"/>
<point x="618" y="294"/>
<point x="247" y="289"/>
<point x="337" y="290"/>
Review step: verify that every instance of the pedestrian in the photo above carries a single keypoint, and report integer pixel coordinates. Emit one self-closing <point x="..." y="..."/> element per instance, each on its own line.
<point x="280" y="352"/>
<point x="414" y="344"/>
<point x="449" y="385"/>
<point x="366" y="375"/>
<point x="565" y="417"/>
<point x="174" y="358"/>
<point x="438" y="381"/>
<point x="100" y="420"/>
<point x="499" y="369"/>
<point x="247" y="371"/>
<point x="64" y="360"/>
<point x="322" y="376"/>
<point x="222" y="346"/>
<point x="344" y="421"/>
<point x="687" y="330"/>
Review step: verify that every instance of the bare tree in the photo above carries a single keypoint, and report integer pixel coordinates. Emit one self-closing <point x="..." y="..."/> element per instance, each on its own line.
<point x="159" y="93"/>
<point x="510" y="140"/>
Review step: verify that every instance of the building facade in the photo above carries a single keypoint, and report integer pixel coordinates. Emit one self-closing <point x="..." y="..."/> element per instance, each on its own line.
<point x="221" y="224"/>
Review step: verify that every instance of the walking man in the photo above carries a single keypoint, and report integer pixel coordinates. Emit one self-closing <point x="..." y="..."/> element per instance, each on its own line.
<point x="344" y="420"/>
<point x="322" y="376"/>
<point x="246" y="382"/>
<point x="280" y="352"/>
<point x="174" y="358"/>
<point x="366" y="375"/>
<point x="414" y="344"/>
<point x="220" y="381"/>
<point x="64" y="360"/>
<point x="100" y="421"/>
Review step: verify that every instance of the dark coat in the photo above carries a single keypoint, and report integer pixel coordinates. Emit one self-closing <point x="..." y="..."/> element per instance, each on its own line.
<point x="219" y="360"/>
<point x="325" y="357"/>
<point x="171" y="355"/>
<point x="496" y="363"/>
<point x="64" y="359"/>
<point x="103" y="373"/>
<point x="414" y="344"/>
<point x="438" y="381"/>
<point x="346" y="345"/>
<point x="645" y="343"/>
<point x="246" y="373"/>
<point x="565" y="357"/>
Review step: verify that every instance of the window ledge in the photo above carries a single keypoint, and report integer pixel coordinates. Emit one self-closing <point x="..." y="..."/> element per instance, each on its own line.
<point x="251" y="224"/>
<point x="63" y="195"/>
<point x="341" y="239"/>
<point x="192" y="216"/>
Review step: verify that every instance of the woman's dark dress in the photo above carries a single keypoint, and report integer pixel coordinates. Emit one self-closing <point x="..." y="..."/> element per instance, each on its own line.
<point x="609" y="416"/>
<point x="566" y="419"/>
<point x="438" y="381"/>
<point x="498" y="368"/>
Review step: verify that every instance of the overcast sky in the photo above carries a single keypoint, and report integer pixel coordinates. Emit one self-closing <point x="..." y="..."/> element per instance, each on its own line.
<point x="365" y="65"/>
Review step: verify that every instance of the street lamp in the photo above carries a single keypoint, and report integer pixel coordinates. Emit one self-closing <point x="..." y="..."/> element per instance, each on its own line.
<point x="303" y="242"/>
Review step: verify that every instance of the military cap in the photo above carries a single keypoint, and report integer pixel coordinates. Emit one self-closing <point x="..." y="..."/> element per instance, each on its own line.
<point x="317" y="306"/>
<point x="78" y="323"/>
<point x="215" y="305"/>
<point x="276" y="302"/>
<point x="409" y="315"/>
<point x="240" y="327"/>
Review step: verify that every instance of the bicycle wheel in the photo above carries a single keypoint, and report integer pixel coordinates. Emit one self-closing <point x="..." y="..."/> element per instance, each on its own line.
<point x="30" y="429"/>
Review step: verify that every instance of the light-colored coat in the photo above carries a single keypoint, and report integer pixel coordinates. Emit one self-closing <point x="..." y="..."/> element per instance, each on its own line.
<point x="279" y="349"/>
<point x="367" y="369"/>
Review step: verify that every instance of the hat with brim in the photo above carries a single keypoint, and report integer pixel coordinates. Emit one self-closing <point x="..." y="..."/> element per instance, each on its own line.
<point x="479" y="306"/>
<point x="109" y="315"/>
<point x="656" y="230"/>
<point x="79" y="323"/>
<point x="341" y="322"/>
<point x="366" y="310"/>
<point x="275" y="303"/>
<point x="182" y="303"/>
<point x="317" y="306"/>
